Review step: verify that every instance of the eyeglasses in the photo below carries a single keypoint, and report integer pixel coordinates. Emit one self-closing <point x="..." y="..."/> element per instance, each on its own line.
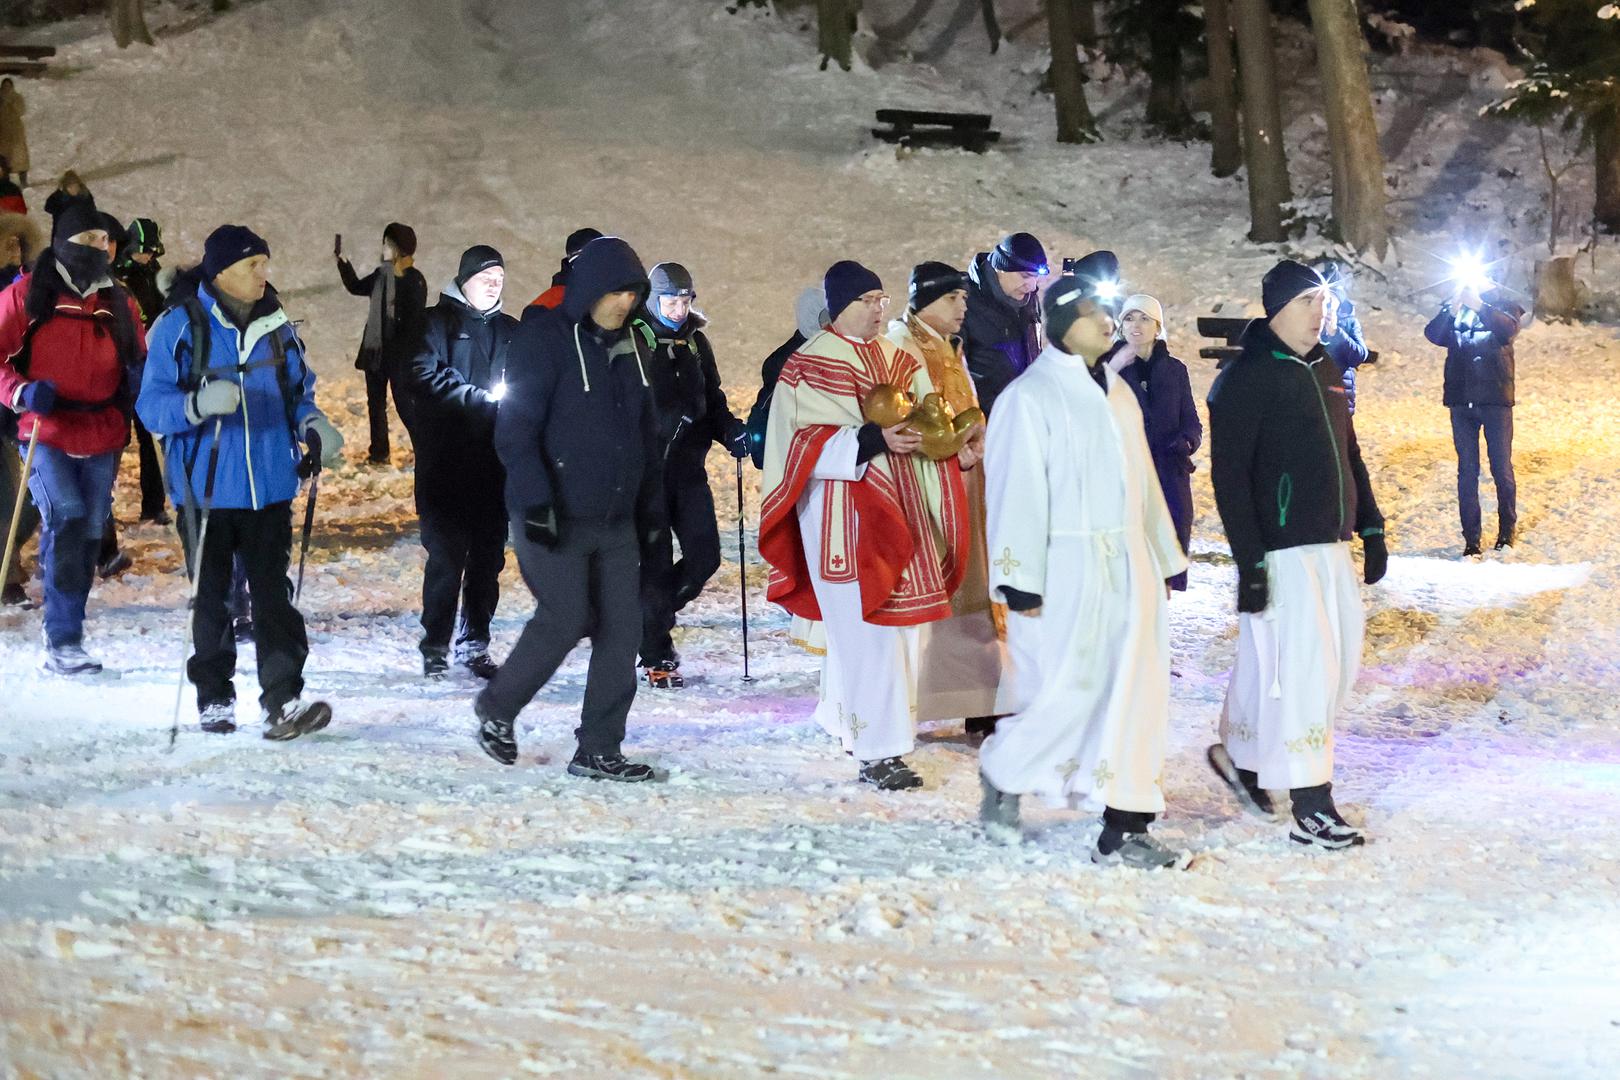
<point x="880" y="301"/>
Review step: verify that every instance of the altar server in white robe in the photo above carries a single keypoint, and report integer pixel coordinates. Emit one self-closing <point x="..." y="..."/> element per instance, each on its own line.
<point x="1081" y="545"/>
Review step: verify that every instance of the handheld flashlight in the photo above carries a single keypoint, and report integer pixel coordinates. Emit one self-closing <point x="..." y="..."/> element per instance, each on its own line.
<point x="499" y="391"/>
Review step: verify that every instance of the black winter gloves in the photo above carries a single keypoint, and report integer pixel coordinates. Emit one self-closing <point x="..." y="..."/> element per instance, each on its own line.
<point x="1019" y="600"/>
<point x="37" y="397"/>
<point x="1254" y="589"/>
<point x="310" y="463"/>
<point x="737" y="440"/>
<point x="540" y="526"/>
<point x="1376" y="555"/>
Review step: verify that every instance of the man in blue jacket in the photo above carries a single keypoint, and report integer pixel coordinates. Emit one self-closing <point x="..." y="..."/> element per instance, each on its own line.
<point x="578" y="435"/>
<point x="225" y="364"/>
<point x="1478" y="339"/>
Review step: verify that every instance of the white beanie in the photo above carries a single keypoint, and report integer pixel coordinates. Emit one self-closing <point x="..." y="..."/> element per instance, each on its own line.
<point x="1146" y="305"/>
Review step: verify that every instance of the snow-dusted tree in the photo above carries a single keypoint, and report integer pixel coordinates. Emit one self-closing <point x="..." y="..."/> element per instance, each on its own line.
<point x="1150" y="35"/>
<point x="1574" y="78"/>
<point x="1075" y="123"/>
<point x="1262" y="120"/>
<point x="1226" y="146"/>
<point x="128" y="19"/>
<point x="1359" y="209"/>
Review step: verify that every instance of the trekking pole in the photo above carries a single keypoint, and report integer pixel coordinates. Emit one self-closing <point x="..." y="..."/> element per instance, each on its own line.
<point x="194" y="570"/>
<point x="742" y="570"/>
<point x="16" y="510"/>
<point x="309" y="524"/>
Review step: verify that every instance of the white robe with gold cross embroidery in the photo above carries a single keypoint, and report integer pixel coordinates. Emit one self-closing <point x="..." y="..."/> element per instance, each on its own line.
<point x="1077" y="517"/>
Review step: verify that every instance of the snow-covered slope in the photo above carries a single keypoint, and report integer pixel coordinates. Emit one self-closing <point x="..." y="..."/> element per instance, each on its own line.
<point x="382" y="899"/>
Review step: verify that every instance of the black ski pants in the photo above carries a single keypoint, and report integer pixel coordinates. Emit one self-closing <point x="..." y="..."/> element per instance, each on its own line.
<point x="669" y="584"/>
<point x="466" y="551"/>
<point x="586" y="584"/>
<point x="262" y="541"/>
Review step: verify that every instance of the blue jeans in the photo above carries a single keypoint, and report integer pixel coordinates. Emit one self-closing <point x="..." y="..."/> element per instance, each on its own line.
<point x="74" y="497"/>
<point x="1497" y="422"/>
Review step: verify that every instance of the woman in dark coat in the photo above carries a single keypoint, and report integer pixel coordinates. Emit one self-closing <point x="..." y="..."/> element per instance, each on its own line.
<point x="394" y="325"/>
<point x="1174" y="432"/>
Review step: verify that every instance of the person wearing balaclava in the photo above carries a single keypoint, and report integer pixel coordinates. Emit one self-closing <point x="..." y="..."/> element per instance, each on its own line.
<point x="228" y="387"/>
<point x="457" y="380"/>
<point x="1292" y="490"/>
<point x="1081" y="548"/>
<point x="692" y="416"/>
<point x="72" y="340"/>
<point x="1141" y="357"/>
<point x="398" y="294"/>
<point x="863" y="530"/>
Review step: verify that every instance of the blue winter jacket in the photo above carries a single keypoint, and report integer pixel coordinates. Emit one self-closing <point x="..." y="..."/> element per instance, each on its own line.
<point x="258" y="448"/>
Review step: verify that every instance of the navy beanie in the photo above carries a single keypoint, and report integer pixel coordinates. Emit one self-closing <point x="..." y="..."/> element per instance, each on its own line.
<point x="77" y="218"/>
<point x="475" y="260"/>
<point x="932" y="280"/>
<point x="1285" y="281"/>
<point x="1019" y="253"/>
<point x="578" y="239"/>
<point x="846" y="282"/>
<point x="228" y="245"/>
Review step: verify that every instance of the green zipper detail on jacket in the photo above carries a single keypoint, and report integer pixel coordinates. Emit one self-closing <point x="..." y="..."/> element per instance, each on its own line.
<point x="1285" y="496"/>
<point x="1338" y="468"/>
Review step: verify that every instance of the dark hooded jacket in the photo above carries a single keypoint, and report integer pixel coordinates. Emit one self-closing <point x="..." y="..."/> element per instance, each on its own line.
<point x="577" y="430"/>
<point x="691" y="403"/>
<point x="1001" y="338"/>
<point x="1284" y="459"/>
<point x="1479" y="353"/>
<point x="460" y="360"/>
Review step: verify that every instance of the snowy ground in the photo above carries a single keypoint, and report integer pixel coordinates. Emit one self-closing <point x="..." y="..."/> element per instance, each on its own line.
<point x="383" y="900"/>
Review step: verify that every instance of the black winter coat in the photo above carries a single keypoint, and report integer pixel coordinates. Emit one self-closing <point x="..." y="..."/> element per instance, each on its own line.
<point x="691" y="403"/>
<point x="403" y="334"/>
<point x="141" y="281"/>
<point x="1001" y="338"/>
<point x="1283" y="453"/>
<point x="577" y="430"/>
<point x="1479" y="355"/>
<point x="759" y="416"/>
<point x="461" y="357"/>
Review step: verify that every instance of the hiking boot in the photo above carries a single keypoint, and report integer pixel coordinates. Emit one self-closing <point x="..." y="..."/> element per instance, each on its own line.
<point x="115" y="564"/>
<point x="889" y="774"/>
<point x="295" y="718"/>
<point x="70" y="660"/>
<point x="665" y="676"/>
<point x="1244" y="784"/>
<point x="1504" y="539"/>
<point x="481" y="664"/>
<point x="495" y="734"/>
<point x="435" y="664"/>
<point x="1136" y="850"/>
<point x="610" y="767"/>
<point x="998" y="813"/>
<point x="218" y="718"/>
<point x="1471" y="549"/>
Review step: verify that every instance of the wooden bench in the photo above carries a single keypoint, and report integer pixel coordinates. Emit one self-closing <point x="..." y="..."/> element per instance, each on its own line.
<point x="913" y="127"/>
<point x="1230" y="331"/>
<point x="25" y="60"/>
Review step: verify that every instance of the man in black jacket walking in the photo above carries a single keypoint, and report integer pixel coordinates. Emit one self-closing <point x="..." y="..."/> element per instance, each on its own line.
<point x="456" y="381"/>
<point x="1291" y="488"/>
<point x="1478" y="339"/>
<point x="692" y="415"/>
<point x="578" y="435"/>
<point x="1001" y="334"/>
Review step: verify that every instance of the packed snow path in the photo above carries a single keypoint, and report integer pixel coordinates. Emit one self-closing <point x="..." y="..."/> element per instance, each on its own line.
<point x="381" y="899"/>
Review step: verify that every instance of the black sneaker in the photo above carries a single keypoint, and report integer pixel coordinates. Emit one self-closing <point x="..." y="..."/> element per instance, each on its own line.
<point x="115" y="564"/>
<point x="889" y="774"/>
<point x="1504" y="540"/>
<point x="435" y="664"/>
<point x="998" y="813"/>
<point x="1244" y="784"/>
<point x="1471" y="548"/>
<point x="495" y="734"/>
<point x="1325" y="829"/>
<point x="482" y="665"/>
<point x="218" y="718"/>
<point x="610" y="767"/>
<point x="296" y="718"/>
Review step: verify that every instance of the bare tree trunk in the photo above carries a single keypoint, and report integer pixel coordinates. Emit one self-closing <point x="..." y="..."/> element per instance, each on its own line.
<point x="1606" y="144"/>
<point x="1167" y="98"/>
<point x="1358" y="161"/>
<point x="992" y="27"/>
<point x="1085" y="23"/>
<point x="836" y="23"/>
<point x="1074" y="120"/>
<point x="1226" y="147"/>
<point x="128" y="20"/>
<point x="1262" y="120"/>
